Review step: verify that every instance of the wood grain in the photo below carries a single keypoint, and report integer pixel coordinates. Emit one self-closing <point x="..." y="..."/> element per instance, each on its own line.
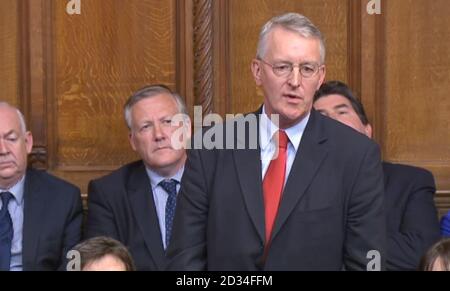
<point x="8" y="52"/>
<point x="101" y="56"/>
<point x="416" y="129"/>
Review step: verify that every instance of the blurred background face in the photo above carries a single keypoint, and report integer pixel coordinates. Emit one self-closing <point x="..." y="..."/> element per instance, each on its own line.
<point x="106" y="263"/>
<point x="151" y="132"/>
<point x="15" y="146"/>
<point x="339" y="108"/>
<point x="291" y="97"/>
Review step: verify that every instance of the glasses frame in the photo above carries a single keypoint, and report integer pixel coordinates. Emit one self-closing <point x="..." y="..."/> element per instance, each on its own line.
<point x="273" y="66"/>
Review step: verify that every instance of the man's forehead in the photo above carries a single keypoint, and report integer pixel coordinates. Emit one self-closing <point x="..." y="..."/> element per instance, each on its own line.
<point x="10" y="119"/>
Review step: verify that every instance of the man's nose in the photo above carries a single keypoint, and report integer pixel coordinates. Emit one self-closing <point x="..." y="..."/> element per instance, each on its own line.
<point x="295" y="78"/>
<point x="158" y="132"/>
<point x="3" y="147"/>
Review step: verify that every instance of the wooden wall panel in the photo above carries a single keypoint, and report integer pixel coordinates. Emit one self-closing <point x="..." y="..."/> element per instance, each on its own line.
<point x="246" y="19"/>
<point x="9" y="52"/>
<point x="99" y="58"/>
<point x="71" y="74"/>
<point x="405" y="84"/>
<point x="416" y="128"/>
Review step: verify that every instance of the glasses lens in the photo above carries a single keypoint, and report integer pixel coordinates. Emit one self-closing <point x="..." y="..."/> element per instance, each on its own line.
<point x="308" y="70"/>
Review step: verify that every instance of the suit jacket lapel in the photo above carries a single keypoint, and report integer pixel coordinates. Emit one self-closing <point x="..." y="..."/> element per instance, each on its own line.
<point x="34" y="208"/>
<point x="310" y="154"/>
<point x="141" y="201"/>
<point x="248" y="168"/>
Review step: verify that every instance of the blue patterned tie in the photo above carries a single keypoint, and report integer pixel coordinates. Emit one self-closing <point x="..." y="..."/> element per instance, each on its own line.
<point x="6" y="232"/>
<point x="170" y="186"/>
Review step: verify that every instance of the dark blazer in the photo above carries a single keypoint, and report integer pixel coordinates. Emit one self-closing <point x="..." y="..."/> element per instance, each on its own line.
<point x="121" y="206"/>
<point x="52" y="221"/>
<point x="331" y="214"/>
<point x="412" y="219"/>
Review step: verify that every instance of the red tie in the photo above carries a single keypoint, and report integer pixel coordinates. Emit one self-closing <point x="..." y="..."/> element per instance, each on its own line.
<point x="273" y="184"/>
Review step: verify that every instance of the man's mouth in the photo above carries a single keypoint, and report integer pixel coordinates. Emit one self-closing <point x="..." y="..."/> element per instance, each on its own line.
<point x="292" y="96"/>
<point x="6" y="163"/>
<point x="163" y="148"/>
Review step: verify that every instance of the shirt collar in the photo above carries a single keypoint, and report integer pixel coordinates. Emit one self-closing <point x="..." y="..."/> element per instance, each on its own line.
<point x="155" y="178"/>
<point x="267" y="129"/>
<point x="17" y="190"/>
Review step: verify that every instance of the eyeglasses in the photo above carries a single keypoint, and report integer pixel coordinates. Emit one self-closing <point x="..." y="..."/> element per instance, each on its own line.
<point x="307" y="70"/>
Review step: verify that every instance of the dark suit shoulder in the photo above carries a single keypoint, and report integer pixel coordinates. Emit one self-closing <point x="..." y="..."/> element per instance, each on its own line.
<point x="120" y="175"/>
<point x="116" y="183"/>
<point x="340" y="136"/>
<point x="44" y="179"/>
<point x="401" y="172"/>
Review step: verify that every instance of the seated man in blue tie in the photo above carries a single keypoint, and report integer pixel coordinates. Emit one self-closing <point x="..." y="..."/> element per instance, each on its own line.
<point x="40" y="215"/>
<point x="412" y="225"/>
<point x="135" y="204"/>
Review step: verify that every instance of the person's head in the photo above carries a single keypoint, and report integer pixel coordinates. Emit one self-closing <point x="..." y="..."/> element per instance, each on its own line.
<point x="15" y="145"/>
<point x="104" y="254"/>
<point x="149" y="113"/>
<point x="335" y="99"/>
<point x="437" y="257"/>
<point x="289" y="66"/>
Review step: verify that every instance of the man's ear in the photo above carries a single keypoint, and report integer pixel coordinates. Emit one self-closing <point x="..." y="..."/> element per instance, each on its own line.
<point x="256" y="71"/>
<point x="131" y="140"/>
<point x="322" y="72"/>
<point x="368" y="130"/>
<point x="29" y="141"/>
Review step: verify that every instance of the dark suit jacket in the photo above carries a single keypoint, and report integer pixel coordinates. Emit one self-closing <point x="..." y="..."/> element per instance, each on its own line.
<point x="121" y="206"/>
<point x="412" y="220"/>
<point x="52" y="221"/>
<point x="331" y="214"/>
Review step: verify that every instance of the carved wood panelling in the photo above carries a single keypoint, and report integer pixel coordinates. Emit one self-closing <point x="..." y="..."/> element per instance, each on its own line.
<point x="9" y="83"/>
<point x="405" y="82"/>
<point x="100" y="57"/>
<point x="71" y="74"/>
<point x="203" y="54"/>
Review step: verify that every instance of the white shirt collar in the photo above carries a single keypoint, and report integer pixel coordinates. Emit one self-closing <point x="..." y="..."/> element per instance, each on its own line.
<point x="267" y="129"/>
<point x="155" y="178"/>
<point x="17" y="190"/>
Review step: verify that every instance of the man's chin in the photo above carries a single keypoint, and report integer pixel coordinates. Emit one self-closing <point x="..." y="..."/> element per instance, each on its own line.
<point x="7" y="177"/>
<point x="7" y="168"/>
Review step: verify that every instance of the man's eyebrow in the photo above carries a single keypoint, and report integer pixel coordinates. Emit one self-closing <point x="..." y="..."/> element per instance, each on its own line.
<point x="10" y="132"/>
<point x="340" y="106"/>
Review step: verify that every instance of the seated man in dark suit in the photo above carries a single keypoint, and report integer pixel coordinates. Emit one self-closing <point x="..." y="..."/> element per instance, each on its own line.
<point x="40" y="215"/>
<point x="411" y="214"/>
<point x="135" y="204"/>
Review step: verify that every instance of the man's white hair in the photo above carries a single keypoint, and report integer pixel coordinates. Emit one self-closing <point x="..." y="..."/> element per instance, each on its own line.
<point x="23" y="125"/>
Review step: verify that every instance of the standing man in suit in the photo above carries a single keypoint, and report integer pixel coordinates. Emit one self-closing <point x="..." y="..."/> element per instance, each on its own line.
<point x="135" y="204"/>
<point x="308" y="197"/>
<point x="40" y="215"/>
<point x="412" y="224"/>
